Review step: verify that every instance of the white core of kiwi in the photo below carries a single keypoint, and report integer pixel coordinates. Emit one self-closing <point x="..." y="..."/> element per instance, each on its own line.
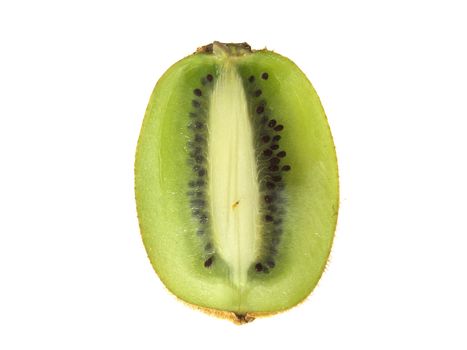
<point x="233" y="176"/>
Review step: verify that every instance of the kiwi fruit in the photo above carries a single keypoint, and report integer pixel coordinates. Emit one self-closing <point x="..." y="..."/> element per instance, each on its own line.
<point x="236" y="182"/>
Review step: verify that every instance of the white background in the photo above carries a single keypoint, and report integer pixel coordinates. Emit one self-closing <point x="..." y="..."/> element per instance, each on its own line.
<point x="75" y="78"/>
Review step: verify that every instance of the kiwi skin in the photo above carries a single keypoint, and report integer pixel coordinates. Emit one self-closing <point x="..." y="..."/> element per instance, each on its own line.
<point x="158" y="176"/>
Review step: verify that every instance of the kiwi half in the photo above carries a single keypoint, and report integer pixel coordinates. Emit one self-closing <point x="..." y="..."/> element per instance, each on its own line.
<point x="236" y="181"/>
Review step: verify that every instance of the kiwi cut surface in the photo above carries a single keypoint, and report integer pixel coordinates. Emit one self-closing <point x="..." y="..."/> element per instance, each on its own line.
<point x="236" y="181"/>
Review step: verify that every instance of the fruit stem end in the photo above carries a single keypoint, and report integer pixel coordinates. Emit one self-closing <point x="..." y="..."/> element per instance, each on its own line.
<point x="225" y="49"/>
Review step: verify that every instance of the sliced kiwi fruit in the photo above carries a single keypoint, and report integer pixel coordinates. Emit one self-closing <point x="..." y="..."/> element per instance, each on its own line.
<point x="236" y="182"/>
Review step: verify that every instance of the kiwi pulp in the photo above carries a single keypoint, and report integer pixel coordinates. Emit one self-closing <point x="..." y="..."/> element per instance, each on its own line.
<point x="236" y="181"/>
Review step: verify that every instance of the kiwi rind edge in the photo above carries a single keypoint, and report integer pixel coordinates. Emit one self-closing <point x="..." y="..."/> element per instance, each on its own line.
<point x="250" y="316"/>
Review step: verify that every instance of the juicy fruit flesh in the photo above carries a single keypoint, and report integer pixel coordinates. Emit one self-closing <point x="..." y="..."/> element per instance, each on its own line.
<point x="234" y="192"/>
<point x="224" y="276"/>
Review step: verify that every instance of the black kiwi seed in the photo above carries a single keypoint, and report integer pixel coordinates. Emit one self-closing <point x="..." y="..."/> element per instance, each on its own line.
<point x="259" y="109"/>
<point x="286" y="167"/>
<point x="208" y="262"/>
<point x="251" y="79"/>
<point x="273" y="168"/>
<point x="279" y="127"/>
<point x="265" y="138"/>
<point x="197" y="92"/>
<point x="267" y="152"/>
<point x="274" y="147"/>
<point x="268" y="218"/>
<point x="276" y="178"/>
<point x="201" y="172"/>
<point x="258" y="93"/>
<point x="271" y="263"/>
<point x="203" y="219"/>
<point x="209" y="77"/>
<point x="276" y="138"/>
<point x="281" y="154"/>
<point x="268" y="199"/>
<point x="274" y="161"/>
<point x="259" y="267"/>
<point x="265" y="76"/>
<point x="271" y="123"/>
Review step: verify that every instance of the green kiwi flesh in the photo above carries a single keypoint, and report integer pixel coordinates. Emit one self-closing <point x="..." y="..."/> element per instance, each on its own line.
<point x="236" y="181"/>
